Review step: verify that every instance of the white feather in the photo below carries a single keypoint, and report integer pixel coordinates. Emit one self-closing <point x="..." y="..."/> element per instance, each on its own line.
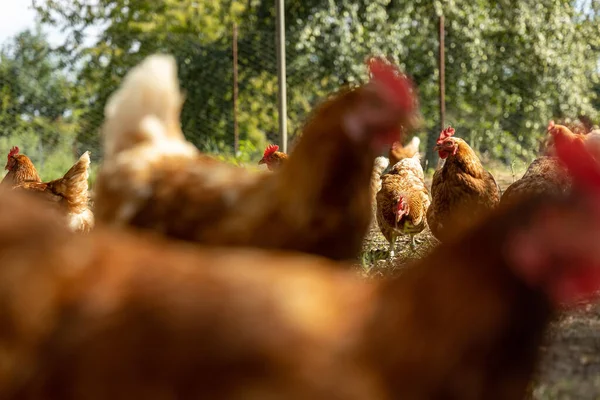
<point x="416" y="142"/>
<point x="142" y="129"/>
<point x="145" y="109"/>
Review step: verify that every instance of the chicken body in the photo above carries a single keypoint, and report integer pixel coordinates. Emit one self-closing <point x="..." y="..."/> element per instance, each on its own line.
<point x="272" y="158"/>
<point x="553" y="130"/>
<point x="113" y="315"/>
<point x="20" y="169"/>
<point x="545" y="176"/>
<point x="69" y="194"/>
<point x="403" y="201"/>
<point x="398" y="152"/>
<point x="462" y="190"/>
<point x="591" y="139"/>
<point x="318" y="202"/>
<point x="154" y="319"/>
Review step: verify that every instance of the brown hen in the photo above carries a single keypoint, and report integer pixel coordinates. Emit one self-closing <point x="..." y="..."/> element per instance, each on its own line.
<point x="461" y="191"/>
<point x="68" y="194"/>
<point x="591" y="139"/>
<point x="272" y="158"/>
<point x="113" y="315"/>
<point x="545" y="176"/>
<point x="554" y="129"/>
<point x="20" y="169"/>
<point x="403" y="201"/>
<point x="398" y="152"/>
<point x="318" y="202"/>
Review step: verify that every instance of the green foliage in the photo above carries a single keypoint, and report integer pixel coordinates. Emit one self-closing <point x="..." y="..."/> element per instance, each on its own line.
<point x="196" y="33"/>
<point x="510" y="66"/>
<point x="34" y="105"/>
<point x="246" y="156"/>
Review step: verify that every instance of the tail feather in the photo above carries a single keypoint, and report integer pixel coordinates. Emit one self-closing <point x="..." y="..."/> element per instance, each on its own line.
<point x="415" y="143"/>
<point x="380" y="165"/>
<point x="73" y="186"/>
<point x="146" y="108"/>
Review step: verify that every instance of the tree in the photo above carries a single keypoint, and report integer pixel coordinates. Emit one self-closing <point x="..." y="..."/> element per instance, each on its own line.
<point x="510" y="66"/>
<point x="34" y="104"/>
<point x="196" y="33"/>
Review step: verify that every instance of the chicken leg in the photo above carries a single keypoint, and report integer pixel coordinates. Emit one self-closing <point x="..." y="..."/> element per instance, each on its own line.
<point x="392" y="245"/>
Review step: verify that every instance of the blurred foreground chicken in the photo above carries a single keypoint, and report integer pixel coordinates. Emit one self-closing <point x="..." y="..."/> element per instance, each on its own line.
<point x="402" y="201"/>
<point x="461" y="191"/>
<point x="20" y="169"/>
<point x="591" y="139"/>
<point x="546" y="175"/>
<point x="318" y="202"/>
<point x="112" y="315"/>
<point x="273" y="158"/>
<point x="399" y="152"/>
<point x="68" y="194"/>
<point x="554" y="129"/>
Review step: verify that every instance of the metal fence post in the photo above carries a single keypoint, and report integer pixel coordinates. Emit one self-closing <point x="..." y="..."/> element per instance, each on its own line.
<point x="281" y="74"/>
<point x="236" y="133"/>
<point x="442" y="75"/>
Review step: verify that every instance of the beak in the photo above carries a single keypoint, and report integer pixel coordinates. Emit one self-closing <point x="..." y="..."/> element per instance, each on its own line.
<point x="262" y="161"/>
<point x="437" y="147"/>
<point x="399" y="215"/>
<point x="398" y="219"/>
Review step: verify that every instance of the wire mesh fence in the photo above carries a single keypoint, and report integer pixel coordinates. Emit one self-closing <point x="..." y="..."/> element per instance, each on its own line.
<point x="501" y="88"/>
<point x="53" y="112"/>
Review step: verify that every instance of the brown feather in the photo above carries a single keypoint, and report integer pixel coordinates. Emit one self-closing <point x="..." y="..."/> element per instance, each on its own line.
<point x="462" y="192"/>
<point x="119" y="315"/>
<point x="405" y="180"/>
<point x="69" y="194"/>
<point x="399" y="152"/>
<point x="319" y="202"/>
<point x="275" y="161"/>
<point x="545" y="176"/>
<point x="20" y="169"/>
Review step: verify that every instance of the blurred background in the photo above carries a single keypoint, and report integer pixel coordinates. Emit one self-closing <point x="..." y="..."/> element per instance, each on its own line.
<point x="510" y="66"/>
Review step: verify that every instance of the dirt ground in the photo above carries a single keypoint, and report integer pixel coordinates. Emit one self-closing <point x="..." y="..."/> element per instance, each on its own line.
<point x="570" y="367"/>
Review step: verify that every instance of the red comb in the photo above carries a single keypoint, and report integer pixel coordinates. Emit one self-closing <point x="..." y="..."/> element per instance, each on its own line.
<point x="272" y="148"/>
<point x="582" y="286"/>
<point x="445" y="134"/>
<point x="13" y="151"/>
<point x="389" y="76"/>
<point x="581" y="164"/>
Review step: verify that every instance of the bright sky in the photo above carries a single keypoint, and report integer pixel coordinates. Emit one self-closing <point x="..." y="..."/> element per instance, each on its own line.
<point x="16" y="16"/>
